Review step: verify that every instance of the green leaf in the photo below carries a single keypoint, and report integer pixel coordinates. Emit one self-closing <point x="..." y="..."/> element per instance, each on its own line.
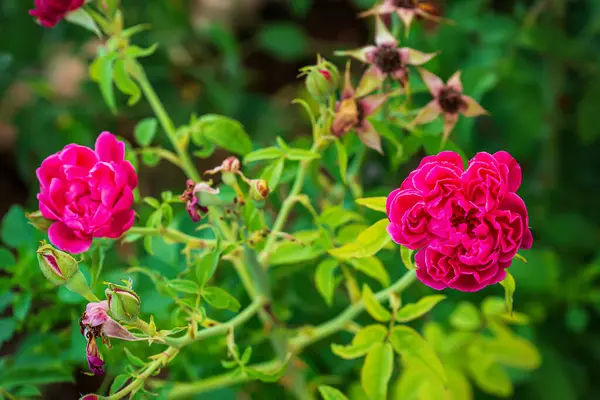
<point x="406" y="255"/>
<point x="325" y="279"/>
<point x="206" y="267"/>
<point x="301" y="154"/>
<point x="219" y="298"/>
<point x="413" y="311"/>
<point x="337" y="216"/>
<point x="293" y="253"/>
<point x="377" y="371"/>
<point x="408" y="343"/>
<point x="490" y="377"/>
<point x="269" y="153"/>
<point x="366" y="338"/>
<point x="183" y="286"/>
<point x="272" y="173"/>
<point x="152" y="202"/>
<point x="118" y="383"/>
<point x="125" y="83"/>
<point x="7" y="328"/>
<point x="101" y="71"/>
<point x="16" y="230"/>
<point x="285" y="41"/>
<point x="7" y="259"/>
<point x="374" y="203"/>
<point x="82" y="18"/>
<point x="331" y="393"/>
<point x="372" y="267"/>
<point x="226" y="133"/>
<point x="342" y="159"/>
<point x="465" y="317"/>
<point x="28" y="391"/>
<point x="510" y="350"/>
<point x="246" y="356"/>
<point x="509" y="285"/>
<point x="300" y="8"/>
<point x="373" y="306"/>
<point x="368" y="243"/>
<point x="134" y="359"/>
<point x="138" y="52"/>
<point x="587" y="111"/>
<point x="21" y="305"/>
<point x="145" y="130"/>
<point x="150" y="158"/>
<point x="272" y="375"/>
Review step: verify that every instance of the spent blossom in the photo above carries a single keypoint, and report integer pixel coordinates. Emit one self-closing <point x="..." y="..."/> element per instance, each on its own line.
<point x="352" y="111"/>
<point x="87" y="193"/>
<point x="467" y="224"/>
<point x="386" y="59"/>
<point x="51" y="12"/>
<point x="407" y="10"/>
<point x="448" y="101"/>
<point x="192" y="196"/>
<point x="96" y="323"/>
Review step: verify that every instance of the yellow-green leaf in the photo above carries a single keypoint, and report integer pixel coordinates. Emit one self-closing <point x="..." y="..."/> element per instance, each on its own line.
<point x="330" y="393"/>
<point x="512" y="351"/>
<point x="408" y="343"/>
<point x="406" y="255"/>
<point x="368" y="243"/>
<point x="372" y="267"/>
<point x="490" y="377"/>
<point x="374" y="203"/>
<point x="415" y="310"/>
<point x="465" y="317"/>
<point x="377" y="371"/>
<point x="509" y="285"/>
<point x="325" y="279"/>
<point x="366" y="338"/>
<point x="373" y="306"/>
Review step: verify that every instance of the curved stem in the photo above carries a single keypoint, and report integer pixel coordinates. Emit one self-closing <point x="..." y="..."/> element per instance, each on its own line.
<point x="167" y="124"/>
<point x="173" y="235"/>
<point x="339" y="322"/>
<point x="220" y="329"/>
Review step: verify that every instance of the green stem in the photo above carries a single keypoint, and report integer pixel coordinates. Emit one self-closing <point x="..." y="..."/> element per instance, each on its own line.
<point x="173" y="235"/>
<point x="339" y="322"/>
<point x="220" y="329"/>
<point x="138" y="382"/>
<point x="167" y="124"/>
<point x="187" y="390"/>
<point x="287" y="206"/>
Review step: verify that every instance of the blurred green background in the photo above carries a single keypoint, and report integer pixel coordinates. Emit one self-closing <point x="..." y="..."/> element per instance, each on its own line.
<point x="532" y="64"/>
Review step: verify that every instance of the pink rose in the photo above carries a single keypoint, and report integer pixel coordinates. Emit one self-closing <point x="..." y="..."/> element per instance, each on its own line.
<point x="489" y="178"/>
<point x="468" y="224"/>
<point x="437" y="179"/>
<point x="51" y="12"/>
<point x="88" y="193"/>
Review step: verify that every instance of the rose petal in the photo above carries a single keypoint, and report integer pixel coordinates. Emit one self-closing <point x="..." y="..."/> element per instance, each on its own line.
<point x="64" y="238"/>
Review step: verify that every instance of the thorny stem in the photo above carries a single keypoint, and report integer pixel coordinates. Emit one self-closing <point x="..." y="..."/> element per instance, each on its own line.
<point x="167" y="124"/>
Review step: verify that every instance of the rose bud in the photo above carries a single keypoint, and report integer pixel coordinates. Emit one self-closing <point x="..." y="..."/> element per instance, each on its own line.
<point x="322" y="80"/>
<point x="123" y="302"/>
<point x="57" y="266"/>
<point x="38" y="221"/>
<point x="90" y="397"/>
<point x="259" y="189"/>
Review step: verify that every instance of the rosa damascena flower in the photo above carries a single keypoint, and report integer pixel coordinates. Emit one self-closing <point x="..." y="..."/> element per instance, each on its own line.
<point x="51" y="12"/>
<point x="87" y="193"/>
<point x="468" y="224"/>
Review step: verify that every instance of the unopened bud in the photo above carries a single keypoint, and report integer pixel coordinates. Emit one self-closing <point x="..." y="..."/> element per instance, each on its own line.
<point x="57" y="266"/>
<point x="123" y="302"/>
<point x="322" y="80"/>
<point x="90" y="397"/>
<point x="259" y="189"/>
<point x="231" y="164"/>
<point x="38" y="221"/>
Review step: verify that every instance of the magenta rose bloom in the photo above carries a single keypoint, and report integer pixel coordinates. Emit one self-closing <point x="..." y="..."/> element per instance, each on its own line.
<point x="88" y="193"/>
<point x="467" y="224"/>
<point x="51" y="12"/>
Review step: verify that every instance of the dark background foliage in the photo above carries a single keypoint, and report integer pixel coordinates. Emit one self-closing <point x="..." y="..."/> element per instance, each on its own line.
<point x="532" y="64"/>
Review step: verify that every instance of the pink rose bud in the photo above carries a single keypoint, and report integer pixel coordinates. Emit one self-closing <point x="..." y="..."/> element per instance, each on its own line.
<point x="51" y="12"/>
<point x="322" y="80"/>
<point x="90" y="397"/>
<point x="87" y="193"/>
<point x="57" y="266"/>
<point x="123" y="302"/>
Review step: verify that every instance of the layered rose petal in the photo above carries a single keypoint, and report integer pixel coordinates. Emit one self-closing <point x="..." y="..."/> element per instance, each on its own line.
<point x="51" y="12"/>
<point x="89" y="193"/>
<point x="468" y="224"/>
